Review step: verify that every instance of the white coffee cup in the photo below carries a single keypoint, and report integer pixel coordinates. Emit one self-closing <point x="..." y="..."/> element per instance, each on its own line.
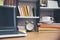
<point x="47" y="19"/>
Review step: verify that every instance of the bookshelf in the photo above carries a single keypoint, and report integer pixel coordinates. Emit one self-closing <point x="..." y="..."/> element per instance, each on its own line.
<point x="52" y="9"/>
<point x="29" y="7"/>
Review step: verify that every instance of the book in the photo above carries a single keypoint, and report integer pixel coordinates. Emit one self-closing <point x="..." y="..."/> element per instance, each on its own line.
<point x="30" y="10"/>
<point x="34" y="11"/>
<point x="26" y="11"/>
<point x="20" y="11"/>
<point x="22" y="29"/>
<point x="47" y="29"/>
<point x="10" y="2"/>
<point x="1" y="2"/>
<point x="23" y="10"/>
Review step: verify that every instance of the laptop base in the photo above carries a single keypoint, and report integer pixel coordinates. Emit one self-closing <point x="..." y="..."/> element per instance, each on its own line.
<point x="12" y="35"/>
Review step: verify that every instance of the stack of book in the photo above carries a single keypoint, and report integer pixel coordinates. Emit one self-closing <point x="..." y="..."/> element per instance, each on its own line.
<point x="48" y="27"/>
<point x="26" y="11"/>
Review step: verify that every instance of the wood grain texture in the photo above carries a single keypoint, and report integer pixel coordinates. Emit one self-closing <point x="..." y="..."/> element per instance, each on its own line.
<point x="37" y="36"/>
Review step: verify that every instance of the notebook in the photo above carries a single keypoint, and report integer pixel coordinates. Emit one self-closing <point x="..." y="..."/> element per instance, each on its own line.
<point x="8" y="24"/>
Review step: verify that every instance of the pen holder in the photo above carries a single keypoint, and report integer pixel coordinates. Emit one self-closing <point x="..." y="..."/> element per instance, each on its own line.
<point x="43" y="3"/>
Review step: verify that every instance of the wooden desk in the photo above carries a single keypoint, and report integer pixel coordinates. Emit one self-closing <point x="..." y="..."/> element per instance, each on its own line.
<point x="37" y="36"/>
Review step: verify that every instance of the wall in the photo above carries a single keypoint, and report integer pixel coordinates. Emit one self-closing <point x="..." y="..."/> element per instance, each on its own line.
<point x="46" y="13"/>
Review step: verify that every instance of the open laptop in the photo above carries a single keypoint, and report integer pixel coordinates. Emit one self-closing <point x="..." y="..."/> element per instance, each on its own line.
<point x="8" y="27"/>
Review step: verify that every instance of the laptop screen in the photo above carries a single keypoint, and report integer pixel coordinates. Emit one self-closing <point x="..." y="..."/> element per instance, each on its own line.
<point x="7" y="17"/>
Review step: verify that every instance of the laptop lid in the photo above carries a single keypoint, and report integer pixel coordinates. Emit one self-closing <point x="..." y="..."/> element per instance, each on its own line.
<point x="7" y="20"/>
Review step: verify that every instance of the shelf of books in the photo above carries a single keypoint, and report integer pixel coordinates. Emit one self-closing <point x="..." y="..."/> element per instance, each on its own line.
<point x="27" y="12"/>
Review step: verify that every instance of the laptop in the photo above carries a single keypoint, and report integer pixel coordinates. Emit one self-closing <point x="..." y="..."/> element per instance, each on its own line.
<point x="8" y="24"/>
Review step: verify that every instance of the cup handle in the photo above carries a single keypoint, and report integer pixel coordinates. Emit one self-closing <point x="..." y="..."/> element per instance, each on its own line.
<point x="52" y="18"/>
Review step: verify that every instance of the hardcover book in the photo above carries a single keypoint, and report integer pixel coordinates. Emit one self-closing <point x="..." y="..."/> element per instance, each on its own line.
<point x="10" y="2"/>
<point x="1" y="2"/>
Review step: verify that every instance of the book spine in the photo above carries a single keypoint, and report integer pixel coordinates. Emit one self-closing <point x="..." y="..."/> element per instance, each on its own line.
<point x="20" y="11"/>
<point x="34" y="11"/>
<point x="6" y="2"/>
<point x="23" y="10"/>
<point x="14" y="2"/>
<point x="30" y="11"/>
<point x="9" y="2"/>
<point x="26" y="11"/>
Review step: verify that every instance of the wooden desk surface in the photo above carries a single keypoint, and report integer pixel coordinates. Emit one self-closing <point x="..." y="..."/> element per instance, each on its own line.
<point x="37" y="36"/>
